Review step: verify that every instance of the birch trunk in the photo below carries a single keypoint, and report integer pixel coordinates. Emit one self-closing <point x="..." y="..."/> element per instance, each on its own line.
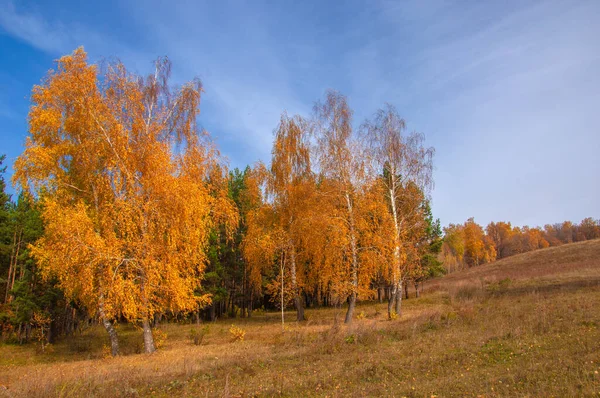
<point x="282" y="302"/>
<point x="297" y="298"/>
<point x="391" y="300"/>
<point x="149" y="347"/>
<point x="354" y="270"/>
<point x="112" y="333"/>
<point x="396" y="272"/>
<point x="398" y="303"/>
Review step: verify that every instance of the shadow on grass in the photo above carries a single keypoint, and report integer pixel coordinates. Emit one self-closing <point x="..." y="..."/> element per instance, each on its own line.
<point x="562" y="286"/>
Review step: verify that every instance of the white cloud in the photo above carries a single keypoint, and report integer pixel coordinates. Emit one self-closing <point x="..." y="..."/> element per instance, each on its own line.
<point x="55" y="37"/>
<point x="33" y="28"/>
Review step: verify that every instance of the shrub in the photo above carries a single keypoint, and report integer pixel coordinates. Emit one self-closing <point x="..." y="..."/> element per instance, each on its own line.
<point x="500" y="286"/>
<point x="159" y="338"/>
<point x="106" y="351"/>
<point x="237" y="333"/>
<point x="259" y="311"/>
<point x="197" y="335"/>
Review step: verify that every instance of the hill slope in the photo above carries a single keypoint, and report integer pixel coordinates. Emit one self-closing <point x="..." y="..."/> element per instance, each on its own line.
<point x="571" y="262"/>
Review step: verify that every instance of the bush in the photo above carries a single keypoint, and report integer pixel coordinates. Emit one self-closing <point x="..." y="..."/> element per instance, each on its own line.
<point x="106" y="351"/>
<point x="237" y="333"/>
<point x="197" y="335"/>
<point x="159" y="338"/>
<point x="259" y="311"/>
<point x="351" y="339"/>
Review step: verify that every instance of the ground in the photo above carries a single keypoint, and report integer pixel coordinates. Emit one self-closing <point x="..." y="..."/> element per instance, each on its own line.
<point x="526" y="326"/>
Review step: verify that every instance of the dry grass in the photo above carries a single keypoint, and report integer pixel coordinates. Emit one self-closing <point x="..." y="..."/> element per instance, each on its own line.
<point x="568" y="261"/>
<point x="524" y="326"/>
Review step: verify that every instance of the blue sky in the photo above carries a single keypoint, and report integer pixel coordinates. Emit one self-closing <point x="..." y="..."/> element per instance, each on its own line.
<point x="507" y="92"/>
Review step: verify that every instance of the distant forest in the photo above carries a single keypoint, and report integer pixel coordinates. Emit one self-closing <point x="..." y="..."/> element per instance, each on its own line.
<point x="469" y="244"/>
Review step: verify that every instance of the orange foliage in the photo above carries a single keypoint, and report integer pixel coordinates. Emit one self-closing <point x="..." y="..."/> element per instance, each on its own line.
<point x="129" y="186"/>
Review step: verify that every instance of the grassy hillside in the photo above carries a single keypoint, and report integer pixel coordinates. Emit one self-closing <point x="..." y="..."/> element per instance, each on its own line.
<point x="567" y="262"/>
<point x="528" y="325"/>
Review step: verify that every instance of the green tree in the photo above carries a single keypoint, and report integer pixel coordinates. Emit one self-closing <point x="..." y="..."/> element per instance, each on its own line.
<point x="430" y="247"/>
<point x="226" y="276"/>
<point x="5" y="233"/>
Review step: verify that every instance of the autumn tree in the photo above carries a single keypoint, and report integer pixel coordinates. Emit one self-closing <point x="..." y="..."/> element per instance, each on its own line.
<point x="453" y="248"/>
<point x="291" y="185"/>
<point x="479" y="248"/>
<point x="262" y="242"/>
<point x="407" y="174"/>
<point x="500" y="233"/>
<point x="341" y="165"/>
<point x="527" y="239"/>
<point x="285" y="212"/>
<point x="589" y="228"/>
<point x="467" y="245"/>
<point x="128" y="190"/>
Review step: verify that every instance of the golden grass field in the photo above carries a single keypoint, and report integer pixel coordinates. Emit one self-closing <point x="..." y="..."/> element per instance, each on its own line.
<point x="526" y="326"/>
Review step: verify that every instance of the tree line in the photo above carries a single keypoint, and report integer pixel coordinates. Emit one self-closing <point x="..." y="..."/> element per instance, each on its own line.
<point x="469" y="244"/>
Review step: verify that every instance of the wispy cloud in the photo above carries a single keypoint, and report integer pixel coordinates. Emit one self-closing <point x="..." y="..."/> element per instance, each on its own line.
<point x="45" y="32"/>
<point x="247" y="81"/>
<point x="33" y="28"/>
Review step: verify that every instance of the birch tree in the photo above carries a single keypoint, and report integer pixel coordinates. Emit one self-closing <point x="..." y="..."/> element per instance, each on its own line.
<point x="127" y="185"/>
<point x="341" y="166"/>
<point x="404" y="160"/>
<point x="291" y="184"/>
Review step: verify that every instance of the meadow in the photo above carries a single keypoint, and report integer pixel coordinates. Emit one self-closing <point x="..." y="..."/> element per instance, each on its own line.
<point x="527" y="326"/>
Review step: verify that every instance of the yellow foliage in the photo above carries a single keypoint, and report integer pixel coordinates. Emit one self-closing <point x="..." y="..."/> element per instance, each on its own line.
<point x="160" y="337"/>
<point x="237" y="333"/>
<point x="130" y="188"/>
<point x="106" y="353"/>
